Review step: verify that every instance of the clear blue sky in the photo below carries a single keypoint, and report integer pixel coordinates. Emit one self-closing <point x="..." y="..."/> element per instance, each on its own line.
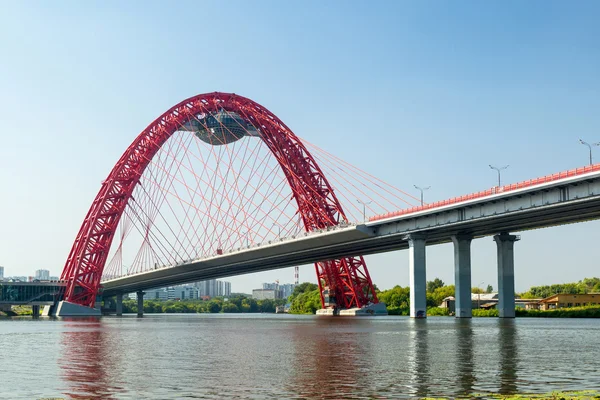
<point x="424" y="93"/>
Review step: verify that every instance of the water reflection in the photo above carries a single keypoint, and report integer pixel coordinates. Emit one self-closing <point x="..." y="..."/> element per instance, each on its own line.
<point x="418" y="358"/>
<point x="332" y="360"/>
<point x="464" y="355"/>
<point x="508" y="357"/>
<point x="86" y="362"/>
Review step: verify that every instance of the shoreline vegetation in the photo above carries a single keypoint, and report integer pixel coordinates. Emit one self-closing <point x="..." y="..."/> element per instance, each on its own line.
<point x="569" y="395"/>
<point x="306" y="300"/>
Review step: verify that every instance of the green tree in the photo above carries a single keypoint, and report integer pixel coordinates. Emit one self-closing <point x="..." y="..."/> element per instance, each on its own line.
<point x="489" y="289"/>
<point x="304" y="287"/>
<point x="477" y="290"/>
<point x="307" y="302"/>
<point x="249" y="305"/>
<point x="214" y="307"/>
<point x="397" y="299"/>
<point x="441" y="293"/>
<point x="229" y="308"/>
<point x="434" y="284"/>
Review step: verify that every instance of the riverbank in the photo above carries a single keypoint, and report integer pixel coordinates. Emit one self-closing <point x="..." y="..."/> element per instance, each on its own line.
<point x="17" y="311"/>
<point x="575" y="395"/>
<point x="572" y="395"/>
<point x="572" y="312"/>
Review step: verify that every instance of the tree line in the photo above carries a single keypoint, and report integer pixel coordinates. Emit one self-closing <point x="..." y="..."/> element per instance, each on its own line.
<point x="233" y="304"/>
<point x="306" y="298"/>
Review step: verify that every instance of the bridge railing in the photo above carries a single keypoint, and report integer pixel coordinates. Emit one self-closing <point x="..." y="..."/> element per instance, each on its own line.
<point x="491" y="191"/>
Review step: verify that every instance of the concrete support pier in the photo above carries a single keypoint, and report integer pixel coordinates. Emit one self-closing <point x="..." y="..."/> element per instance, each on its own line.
<point x="119" y="305"/>
<point x="35" y="311"/>
<point x="462" y="275"/>
<point x="418" y="282"/>
<point x="140" y="303"/>
<point x="66" y="309"/>
<point x="506" y="274"/>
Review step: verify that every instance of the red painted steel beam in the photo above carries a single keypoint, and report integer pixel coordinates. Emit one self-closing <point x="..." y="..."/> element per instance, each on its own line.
<point x="317" y="204"/>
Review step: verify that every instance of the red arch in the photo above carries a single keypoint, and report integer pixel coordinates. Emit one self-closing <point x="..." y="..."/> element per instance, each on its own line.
<point x="317" y="204"/>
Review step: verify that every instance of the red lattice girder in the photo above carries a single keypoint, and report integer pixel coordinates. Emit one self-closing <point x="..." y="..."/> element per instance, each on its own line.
<point x="318" y="206"/>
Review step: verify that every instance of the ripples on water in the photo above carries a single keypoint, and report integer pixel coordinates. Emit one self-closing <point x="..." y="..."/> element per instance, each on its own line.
<point x="282" y="356"/>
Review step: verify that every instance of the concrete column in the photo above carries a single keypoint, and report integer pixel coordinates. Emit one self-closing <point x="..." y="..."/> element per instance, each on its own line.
<point x="140" y="303"/>
<point x="119" y="306"/>
<point x="506" y="274"/>
<point x="462" y="275"/>
<point x="418" y="282"/>
<point x="35" y="311"/>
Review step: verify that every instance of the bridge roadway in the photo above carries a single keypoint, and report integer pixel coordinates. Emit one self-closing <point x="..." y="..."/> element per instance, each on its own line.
<point x="569" y="197"/>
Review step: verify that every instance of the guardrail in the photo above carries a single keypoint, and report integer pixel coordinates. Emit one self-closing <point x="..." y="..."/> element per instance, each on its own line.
<point x="492" y="191"/>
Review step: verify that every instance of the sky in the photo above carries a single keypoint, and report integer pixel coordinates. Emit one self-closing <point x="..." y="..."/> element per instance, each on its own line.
<point x="425" y="93"/>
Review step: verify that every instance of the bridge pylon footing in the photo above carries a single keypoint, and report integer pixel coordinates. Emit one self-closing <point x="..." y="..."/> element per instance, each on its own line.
<point x="66" y="309"/>
<point x="366" y="311"/>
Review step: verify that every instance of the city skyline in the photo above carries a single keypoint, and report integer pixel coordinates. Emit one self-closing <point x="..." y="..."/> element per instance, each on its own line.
<point x="445" y="100"/>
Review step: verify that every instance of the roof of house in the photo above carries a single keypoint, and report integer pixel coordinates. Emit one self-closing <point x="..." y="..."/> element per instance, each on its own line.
<point x="547" y="299"/>
<point x="478" y="297"/>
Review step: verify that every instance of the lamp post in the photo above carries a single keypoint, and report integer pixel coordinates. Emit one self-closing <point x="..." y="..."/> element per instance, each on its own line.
<point x="589" y="147"/>
<point x="422" y="189"/>
<point x="247" y="239"/>
<point x="278" y="226"/>
<point x="479" y="294"/>
<point x="498" y="170"/>
<point x="364" y="208"/>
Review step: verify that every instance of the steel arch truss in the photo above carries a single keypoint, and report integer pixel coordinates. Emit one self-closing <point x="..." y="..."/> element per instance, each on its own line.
<point x="347" y="278"/>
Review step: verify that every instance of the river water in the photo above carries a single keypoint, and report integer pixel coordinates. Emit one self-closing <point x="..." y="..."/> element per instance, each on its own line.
<point x="253" y="356"/>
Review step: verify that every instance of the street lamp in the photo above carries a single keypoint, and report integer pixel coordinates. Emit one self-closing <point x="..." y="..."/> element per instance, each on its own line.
<point x="422" y="189"/>
<point x="479" y="294"/>
<point x="589" y="147"/>
<point x="278" y="226"/>
<point x="498" y="170"/>
<point x="364" y="208"/>
<point x="247" y="240"/>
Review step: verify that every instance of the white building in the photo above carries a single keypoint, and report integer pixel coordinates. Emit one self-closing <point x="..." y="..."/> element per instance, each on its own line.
<point x="262" y="294"/>
<point x="213" y="288"/>
<point x="286" y="290"/>
<point x="1" y="273"/>
<point x="42" y="275"/>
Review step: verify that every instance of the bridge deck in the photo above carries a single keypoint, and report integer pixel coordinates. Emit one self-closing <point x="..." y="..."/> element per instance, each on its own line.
<point x="528" y="184"/>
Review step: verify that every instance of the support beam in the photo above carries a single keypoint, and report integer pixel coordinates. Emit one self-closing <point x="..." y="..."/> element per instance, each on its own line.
<point x="418" y="282"/>
<point x="119" y="305"/>
<point x="462" y="275"/>
<point x="140" y="303"/>
<point x="35" y="311"/>
<point x="506" y="274"/>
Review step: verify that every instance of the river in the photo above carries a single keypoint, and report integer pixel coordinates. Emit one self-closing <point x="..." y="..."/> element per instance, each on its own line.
<point x="167" y="356"/>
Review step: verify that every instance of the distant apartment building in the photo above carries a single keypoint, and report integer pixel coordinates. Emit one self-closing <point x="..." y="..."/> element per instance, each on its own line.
<point x="266" y="294"/>
<point x="42" y="275"/>
<point x="213" y="288"/>
<point x="285" y="289"/>
<point x="198" y="290"/>
<point x="1" y="273"/>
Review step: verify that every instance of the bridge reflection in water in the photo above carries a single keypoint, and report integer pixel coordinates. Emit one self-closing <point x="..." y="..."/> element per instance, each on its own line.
<point x="288" y="357"/>
<point x="91" y="356"/>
